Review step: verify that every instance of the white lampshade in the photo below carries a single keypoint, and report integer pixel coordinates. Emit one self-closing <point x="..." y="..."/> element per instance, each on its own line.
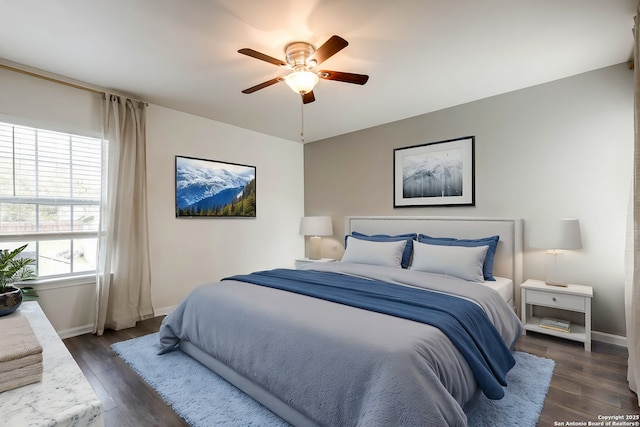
<point x="316" y="226"/>
<point x="302" y="81"/>
<point x="568" y="234"/>
<point x="558" y="234"/>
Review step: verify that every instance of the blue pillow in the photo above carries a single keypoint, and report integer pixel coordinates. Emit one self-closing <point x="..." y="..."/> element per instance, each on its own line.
<point x="492" y="242"/>
<point x="408" y="249"/>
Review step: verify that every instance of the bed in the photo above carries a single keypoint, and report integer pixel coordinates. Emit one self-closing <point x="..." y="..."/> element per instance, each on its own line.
<point x="366" y="344"/>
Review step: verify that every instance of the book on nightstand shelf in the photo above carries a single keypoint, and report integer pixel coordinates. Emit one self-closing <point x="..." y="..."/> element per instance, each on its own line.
<point x="555" y="324"/>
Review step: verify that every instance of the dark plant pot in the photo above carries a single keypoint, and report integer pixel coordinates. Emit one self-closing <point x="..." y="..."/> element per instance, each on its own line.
<point x="10" y="300"/>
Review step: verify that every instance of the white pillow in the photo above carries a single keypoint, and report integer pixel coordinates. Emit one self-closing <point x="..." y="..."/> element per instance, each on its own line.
<point x="459" y="261"/>
<point x="360" y="251"/>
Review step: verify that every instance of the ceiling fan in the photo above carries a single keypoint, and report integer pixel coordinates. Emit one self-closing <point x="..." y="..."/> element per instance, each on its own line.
<point x="301" y="58"/>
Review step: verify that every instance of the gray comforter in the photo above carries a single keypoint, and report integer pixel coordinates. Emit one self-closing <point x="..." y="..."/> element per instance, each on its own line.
<point x="338" y="365"/>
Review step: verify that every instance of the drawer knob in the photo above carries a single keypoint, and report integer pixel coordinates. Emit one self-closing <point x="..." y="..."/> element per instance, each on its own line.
<point x="553" y="299"/>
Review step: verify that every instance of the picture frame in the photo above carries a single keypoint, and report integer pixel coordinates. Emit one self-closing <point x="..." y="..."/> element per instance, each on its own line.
<point x="214" y="189"/>
<point x="438" y="173"/>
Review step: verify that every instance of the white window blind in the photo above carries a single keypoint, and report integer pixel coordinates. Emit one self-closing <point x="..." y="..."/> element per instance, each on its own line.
<point x="50" y="185"/>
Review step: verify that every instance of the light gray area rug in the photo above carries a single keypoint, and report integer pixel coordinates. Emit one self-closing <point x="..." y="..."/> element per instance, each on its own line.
<point x="203" y="399"/>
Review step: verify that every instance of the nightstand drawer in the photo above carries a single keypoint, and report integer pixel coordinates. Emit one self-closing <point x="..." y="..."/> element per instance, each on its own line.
<point x="550" y="299"/>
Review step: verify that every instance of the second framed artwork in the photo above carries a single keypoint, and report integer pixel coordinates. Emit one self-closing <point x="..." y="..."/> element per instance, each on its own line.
<point x="435" y="174"/>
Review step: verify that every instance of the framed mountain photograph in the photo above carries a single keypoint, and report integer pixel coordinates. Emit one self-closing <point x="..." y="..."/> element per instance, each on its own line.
<point x="214" y="189"/>
<point x="435" y="174"/>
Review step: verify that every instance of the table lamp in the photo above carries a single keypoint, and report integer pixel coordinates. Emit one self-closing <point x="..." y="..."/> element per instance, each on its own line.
<point x="562" y="234"/>
<point x="315" y="226"/>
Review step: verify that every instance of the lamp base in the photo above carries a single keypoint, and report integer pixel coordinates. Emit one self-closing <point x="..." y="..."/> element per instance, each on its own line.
<point x="554" y="275"/>
<point x="315" y="251"/>
<point x="561" y="285"/>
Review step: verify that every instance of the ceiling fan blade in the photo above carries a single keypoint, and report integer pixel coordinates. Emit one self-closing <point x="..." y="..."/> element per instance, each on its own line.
<point x="261" y="56"/>
<point x="263" y="85"/>
<point x="358" y="79"/>
<point x="308" y="97"/>
<point x="332" y="46"/>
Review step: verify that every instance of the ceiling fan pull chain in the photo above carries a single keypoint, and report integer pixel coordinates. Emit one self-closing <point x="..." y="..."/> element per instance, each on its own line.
<point x="302" y="121"/>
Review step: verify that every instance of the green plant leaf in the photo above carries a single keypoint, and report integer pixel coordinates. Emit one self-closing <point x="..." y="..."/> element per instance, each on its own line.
<point x="14" y="269"/>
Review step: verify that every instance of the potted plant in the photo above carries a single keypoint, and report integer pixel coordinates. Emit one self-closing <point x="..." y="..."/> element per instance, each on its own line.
<point x="13" y="269"/>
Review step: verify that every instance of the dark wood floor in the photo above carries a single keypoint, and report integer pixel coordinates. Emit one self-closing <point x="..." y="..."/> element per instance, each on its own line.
<point x="584" y="385"/>
<point x="128" y="401"/>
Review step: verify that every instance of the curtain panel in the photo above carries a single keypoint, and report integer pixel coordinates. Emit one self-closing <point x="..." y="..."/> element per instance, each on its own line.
<point x="632" y="286"/>
<point x="123" y="271"/>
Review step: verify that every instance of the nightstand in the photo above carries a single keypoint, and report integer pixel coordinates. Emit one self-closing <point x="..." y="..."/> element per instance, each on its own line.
<point x="302" y="261"/>
<point x="570" y="298"/>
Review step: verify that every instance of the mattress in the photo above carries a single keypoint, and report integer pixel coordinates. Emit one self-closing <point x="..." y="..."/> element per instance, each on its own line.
<point x="503" y="286"/>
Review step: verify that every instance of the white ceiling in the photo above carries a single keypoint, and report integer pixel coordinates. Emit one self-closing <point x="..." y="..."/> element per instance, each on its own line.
<point x="421" y="55"/>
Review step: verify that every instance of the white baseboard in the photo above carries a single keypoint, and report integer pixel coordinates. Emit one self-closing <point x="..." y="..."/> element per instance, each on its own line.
<point x="163" y="311"/>
<point x="74" y="332"/>
<point x="609" y="338"/>
<point x="88" y="329"/>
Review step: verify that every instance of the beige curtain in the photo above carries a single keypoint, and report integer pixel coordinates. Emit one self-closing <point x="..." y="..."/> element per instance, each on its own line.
<point x="123" y="276"/>
<point x="632" y="288"/>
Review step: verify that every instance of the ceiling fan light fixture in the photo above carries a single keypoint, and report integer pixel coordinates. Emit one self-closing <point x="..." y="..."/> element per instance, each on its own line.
<point x="302" y="81"/>
<point x="301" y="59"/>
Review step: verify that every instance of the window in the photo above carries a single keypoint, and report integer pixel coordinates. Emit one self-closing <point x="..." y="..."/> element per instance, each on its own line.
<point x="50" y="186"/>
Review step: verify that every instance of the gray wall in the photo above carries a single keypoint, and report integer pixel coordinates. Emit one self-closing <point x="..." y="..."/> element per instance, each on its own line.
<point x="562" y="149"/>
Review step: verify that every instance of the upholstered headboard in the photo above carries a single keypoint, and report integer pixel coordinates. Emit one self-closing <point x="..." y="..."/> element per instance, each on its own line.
<point x="508" y="260"/>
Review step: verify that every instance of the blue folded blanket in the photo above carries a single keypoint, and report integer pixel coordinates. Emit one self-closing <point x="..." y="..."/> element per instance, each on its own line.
<point x="462" y="321"/>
